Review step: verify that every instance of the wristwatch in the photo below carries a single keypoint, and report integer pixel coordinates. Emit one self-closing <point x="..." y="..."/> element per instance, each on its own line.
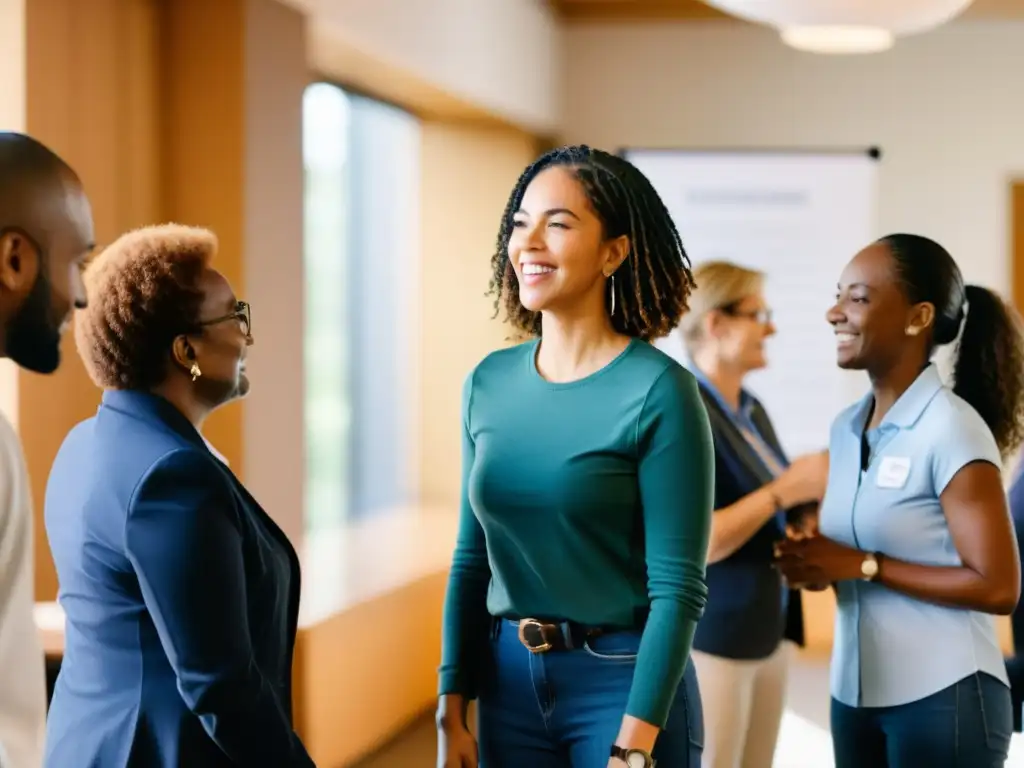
<point x="634" y="758"/>
<point x="869" y="567"/>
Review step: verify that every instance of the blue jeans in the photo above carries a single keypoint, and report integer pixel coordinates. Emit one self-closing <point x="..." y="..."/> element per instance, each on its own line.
<point x="967" y="725"/>
<point x="564" y="708"/>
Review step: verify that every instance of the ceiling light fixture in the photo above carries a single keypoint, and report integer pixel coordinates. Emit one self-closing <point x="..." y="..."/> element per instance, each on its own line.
<point x="844" y="26"/>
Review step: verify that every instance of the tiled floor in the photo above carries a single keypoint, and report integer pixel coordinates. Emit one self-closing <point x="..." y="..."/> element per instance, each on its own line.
<point x="803" y="743"/>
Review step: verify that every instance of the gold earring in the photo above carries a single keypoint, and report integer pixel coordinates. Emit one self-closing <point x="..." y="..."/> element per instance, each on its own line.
<point x="194" y="370"/>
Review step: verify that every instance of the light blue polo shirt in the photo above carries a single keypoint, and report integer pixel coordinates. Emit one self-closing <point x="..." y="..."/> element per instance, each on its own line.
<point x="889" y="648"/>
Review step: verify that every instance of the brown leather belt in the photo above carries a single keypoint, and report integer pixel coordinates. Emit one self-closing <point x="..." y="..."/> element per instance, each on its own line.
<point x="541" y="636"/>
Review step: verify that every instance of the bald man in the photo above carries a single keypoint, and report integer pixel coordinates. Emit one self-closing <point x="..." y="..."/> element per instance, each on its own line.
<point x="46" y="233"/>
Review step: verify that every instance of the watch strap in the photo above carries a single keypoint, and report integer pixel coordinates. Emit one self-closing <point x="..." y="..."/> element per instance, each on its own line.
<point x="624" y="754"/>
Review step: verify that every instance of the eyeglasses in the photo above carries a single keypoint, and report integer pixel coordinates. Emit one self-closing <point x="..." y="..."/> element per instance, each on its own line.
<point x="762" y="316"/>
<point x="242" y="313"/>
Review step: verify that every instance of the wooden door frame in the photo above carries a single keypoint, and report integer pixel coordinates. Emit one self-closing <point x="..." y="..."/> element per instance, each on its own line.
<point x="1017" y="242"/>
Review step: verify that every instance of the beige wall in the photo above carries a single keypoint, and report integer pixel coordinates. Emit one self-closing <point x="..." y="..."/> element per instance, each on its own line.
<point x="498" y="58"/>
<point x="942" y="107"/>
<point x="468" y="173"/>
<point x="275" y="77"/>
<point x="12" y="118"/>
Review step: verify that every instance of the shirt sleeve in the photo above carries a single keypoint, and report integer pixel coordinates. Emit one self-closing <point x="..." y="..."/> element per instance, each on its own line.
<point x="22" y="668"/>
<point x="972" y="440"/>
<point x="466" y="622"/>
<point x="183" y="540"/>
<point x="676" y="477"/>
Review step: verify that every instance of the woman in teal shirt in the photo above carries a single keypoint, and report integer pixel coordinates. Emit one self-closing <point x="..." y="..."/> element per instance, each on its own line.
<point x="578" y="573"/>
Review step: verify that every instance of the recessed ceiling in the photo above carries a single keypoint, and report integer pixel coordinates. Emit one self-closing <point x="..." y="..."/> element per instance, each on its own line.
<point x="695" y="10"/>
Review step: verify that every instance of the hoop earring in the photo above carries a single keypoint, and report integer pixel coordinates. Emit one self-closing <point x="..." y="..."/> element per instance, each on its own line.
<point x="612" y="313"/>
<point x="194" y="370"/>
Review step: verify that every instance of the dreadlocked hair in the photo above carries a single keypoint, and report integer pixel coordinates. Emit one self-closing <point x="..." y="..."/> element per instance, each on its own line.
<point x="653" y="284"/>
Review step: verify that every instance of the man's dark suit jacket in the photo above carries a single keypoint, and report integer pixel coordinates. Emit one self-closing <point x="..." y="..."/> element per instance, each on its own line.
<point x="181" y="597"/>
<point x="744" y="618"/>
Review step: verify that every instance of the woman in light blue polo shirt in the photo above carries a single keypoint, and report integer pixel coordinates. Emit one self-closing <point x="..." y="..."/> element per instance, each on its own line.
<point x="914" y="528"/>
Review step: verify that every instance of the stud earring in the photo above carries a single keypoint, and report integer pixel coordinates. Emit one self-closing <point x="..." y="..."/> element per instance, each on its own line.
<point x="194" y="370"/>
<point x="912" y="331"/>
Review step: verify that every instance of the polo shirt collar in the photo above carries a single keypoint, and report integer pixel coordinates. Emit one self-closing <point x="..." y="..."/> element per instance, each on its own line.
<point x="908" y="408"/>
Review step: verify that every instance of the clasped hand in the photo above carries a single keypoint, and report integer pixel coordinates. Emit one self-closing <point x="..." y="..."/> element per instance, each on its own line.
<point x="815" y="561"/>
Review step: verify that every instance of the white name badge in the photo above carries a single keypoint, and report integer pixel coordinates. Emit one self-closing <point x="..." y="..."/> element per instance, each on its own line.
<point x="893" y="472"/>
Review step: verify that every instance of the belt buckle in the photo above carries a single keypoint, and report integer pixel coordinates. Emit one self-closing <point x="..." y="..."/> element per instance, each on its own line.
<point x="544" y="645"/>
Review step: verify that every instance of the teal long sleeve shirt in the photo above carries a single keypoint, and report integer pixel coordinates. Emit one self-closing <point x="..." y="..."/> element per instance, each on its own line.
<point x="585" y="501"/>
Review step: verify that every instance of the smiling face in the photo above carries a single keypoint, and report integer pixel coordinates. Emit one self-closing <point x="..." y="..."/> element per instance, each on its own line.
<point x="558" y="249"/>
<point x="220" y="350"/>
<point x="875" y="324"/>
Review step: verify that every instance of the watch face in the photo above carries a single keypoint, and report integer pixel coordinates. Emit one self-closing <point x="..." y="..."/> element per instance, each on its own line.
<point x="636" y="759"/>
<point x="869" y="567"/>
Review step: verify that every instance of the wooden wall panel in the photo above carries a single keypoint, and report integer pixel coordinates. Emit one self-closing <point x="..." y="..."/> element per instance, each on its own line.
<point x="1017" y="243"/>
<point x="203" y="139"/>
<point x="467" y="174"/>
<point x="91" y="73"/>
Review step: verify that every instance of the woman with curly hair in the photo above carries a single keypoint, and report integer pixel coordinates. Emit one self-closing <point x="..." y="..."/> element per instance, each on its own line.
<point x="181" y="594"/>
<point x="578" y="573"/>
<point x="915" y="532"/>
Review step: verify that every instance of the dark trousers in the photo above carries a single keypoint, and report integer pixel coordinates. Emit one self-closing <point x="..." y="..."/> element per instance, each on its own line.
<point x="1015" y="671"/>
<point x="1015" y="663"/>
<point x="52" y="670"/>
<point x="564" y="708"/>
<point x="967" y="725"/>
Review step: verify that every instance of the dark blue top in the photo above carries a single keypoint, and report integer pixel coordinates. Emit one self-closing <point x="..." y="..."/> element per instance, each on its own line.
<point x="749" y="611"/>
<point x="1015" y="664"/>
<point x="1017" y="513"/>
<point x="744" y="419"/>
<point x="181" y="597"/>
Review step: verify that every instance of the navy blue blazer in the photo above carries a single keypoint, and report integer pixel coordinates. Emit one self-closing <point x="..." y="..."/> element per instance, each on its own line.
<point x="744" y="617"/>
<point x="181" y="597"/>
